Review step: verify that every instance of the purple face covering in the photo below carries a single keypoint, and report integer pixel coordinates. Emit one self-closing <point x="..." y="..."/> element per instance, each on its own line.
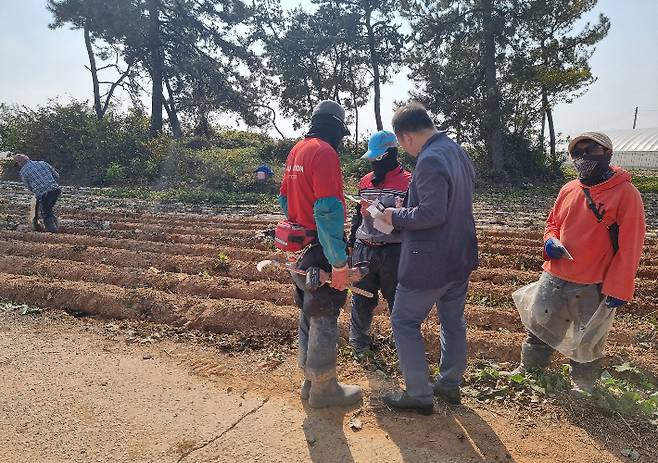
<point x="591" y="165"/>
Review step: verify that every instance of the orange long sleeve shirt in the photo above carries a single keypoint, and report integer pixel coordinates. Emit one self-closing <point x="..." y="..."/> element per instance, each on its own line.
<point x="575" y="225"/>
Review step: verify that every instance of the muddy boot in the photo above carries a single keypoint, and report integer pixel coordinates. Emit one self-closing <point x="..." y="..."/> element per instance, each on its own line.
<point x="584" y="375"/>
<point x="533" y="356"/>
<point x="320" y="366"/>
<point x="331" y="393"/>
<point x="305" y="389"/>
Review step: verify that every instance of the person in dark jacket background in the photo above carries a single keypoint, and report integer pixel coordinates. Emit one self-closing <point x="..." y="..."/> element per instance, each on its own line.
<point x="438" y="254"/>
<point x="388" y="183"/>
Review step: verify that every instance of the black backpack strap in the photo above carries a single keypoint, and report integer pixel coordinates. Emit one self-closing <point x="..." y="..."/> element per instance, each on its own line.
<point x="599" y="213"/>
<point x="592" y="205"/>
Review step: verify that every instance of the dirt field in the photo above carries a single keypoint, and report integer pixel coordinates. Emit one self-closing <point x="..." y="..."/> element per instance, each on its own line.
<point x="189" y="355"/>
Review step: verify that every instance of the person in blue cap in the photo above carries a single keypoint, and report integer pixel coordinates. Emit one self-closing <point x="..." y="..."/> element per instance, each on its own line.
<point x="263" y="172"/>
<point x="388" y="182"/>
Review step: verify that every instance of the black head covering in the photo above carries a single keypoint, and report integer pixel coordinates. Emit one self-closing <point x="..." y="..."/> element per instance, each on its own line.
<point x="327" y="128"/>
<point x="386" y="164"/>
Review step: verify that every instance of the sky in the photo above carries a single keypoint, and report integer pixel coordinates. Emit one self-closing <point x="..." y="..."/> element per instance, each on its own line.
<point x="39" y="64"/>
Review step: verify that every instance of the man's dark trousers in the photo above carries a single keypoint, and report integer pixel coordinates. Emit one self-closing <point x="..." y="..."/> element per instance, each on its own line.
<point x="46" y="203"/>
<point x="382" y="275"/>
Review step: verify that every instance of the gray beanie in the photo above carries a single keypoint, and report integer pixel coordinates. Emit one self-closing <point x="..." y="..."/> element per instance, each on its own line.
<point x="331" y="108"/>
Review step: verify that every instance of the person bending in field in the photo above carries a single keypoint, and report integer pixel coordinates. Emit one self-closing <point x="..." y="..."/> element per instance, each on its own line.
<point x="592" y="244"/>
<point x="41" y="179"/>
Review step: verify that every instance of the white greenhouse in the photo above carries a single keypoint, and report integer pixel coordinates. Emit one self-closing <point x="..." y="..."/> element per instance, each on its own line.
<point x="633" y="148"/>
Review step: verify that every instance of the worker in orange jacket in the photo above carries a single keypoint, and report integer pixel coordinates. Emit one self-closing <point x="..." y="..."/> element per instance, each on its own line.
<point x="592" y="244"/>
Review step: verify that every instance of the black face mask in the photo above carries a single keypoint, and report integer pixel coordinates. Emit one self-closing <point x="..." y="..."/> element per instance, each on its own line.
<point x="385" y="165"/>
<point x="592" y="168"/>
<point x="327" y="128"/>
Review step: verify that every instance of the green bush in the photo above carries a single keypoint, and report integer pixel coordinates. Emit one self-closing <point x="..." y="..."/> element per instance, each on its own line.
<point x="276" y="151"/>
<point x="115" y="173"/>
<point x="73" y="140"/>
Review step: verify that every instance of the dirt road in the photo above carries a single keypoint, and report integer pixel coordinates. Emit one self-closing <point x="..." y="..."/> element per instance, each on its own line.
<point x="85" y="390"/>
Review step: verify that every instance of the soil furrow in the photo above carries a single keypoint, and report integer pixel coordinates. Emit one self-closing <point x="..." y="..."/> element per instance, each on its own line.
<point x="163" y="236"/>
<point x="220" y="316"/>
<point x="214" y="287"/>
<point x="138" y="245"/>
<point x="97" y="214"/>
<point x="125" y="258"/>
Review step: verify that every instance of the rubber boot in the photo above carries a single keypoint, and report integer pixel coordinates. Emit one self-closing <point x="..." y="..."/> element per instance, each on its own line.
<point x="533" y="356"/>
<point x="331" y="393"/>
<point x="584" y="375"/>
<point x="320" y="368"/>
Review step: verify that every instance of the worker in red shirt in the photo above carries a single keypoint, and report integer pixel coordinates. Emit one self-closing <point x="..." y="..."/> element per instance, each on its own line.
<point x="593" y="240"/>
<point x="312" y="197"/>
<point x="387" y="183"/>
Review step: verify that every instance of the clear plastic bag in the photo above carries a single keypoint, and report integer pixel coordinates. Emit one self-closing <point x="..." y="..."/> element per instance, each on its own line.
<point x="571" y="318"/>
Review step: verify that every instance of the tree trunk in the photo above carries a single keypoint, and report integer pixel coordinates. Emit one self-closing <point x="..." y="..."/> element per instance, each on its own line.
<point x="493" y="122"/>
<point x="157" y="66"/>
<point x="94" y="74"/>
<point x="542" y="138"/>
<point x="549" y="115"/>
<point x="203" y="124"/>
<point x="374" y="61"/>
<point x="174" y="122"/>
<point x="356" y="107"/>
<point x="551" y="130"/>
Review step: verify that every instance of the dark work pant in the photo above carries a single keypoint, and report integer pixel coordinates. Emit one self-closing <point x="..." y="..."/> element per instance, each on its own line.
<point x="318" y="320"/>
<point x="382" y="276"/>
<point x="46" y="202"/>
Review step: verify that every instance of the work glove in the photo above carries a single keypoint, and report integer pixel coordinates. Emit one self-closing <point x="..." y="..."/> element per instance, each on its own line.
<point x="340" y="278"/>
<point x="613" y="302"/>
<point x="552" y="250"/>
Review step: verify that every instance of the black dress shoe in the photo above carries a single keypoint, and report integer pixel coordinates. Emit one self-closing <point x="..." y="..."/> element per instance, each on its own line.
<point x="403" y="401"/>
<point x="452" y="396"/>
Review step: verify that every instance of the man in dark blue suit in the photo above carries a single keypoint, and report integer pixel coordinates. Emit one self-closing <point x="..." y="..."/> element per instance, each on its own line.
<point x="438" y="254"/>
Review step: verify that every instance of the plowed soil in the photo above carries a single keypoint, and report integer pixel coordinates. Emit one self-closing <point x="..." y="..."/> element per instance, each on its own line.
<point x="196" y="271"/>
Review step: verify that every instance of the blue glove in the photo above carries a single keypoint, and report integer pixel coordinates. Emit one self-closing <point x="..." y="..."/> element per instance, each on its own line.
<point x="552" y="250"/>
<point x="613" y="302"/>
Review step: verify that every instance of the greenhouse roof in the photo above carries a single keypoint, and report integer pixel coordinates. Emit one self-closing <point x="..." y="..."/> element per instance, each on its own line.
<point x="634" y="139"/>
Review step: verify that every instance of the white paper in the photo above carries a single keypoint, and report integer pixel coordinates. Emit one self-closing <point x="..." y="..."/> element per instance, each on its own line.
<point x="382" y="226"/>
<point x="378" y="221"/>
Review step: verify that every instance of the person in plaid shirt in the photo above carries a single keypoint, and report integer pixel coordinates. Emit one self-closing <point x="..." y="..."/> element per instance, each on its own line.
<point x="41" y="179"/>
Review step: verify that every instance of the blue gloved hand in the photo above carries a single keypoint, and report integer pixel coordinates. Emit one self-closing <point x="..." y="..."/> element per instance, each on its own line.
<point x="613" y="302"/>
<point x="552" y="250"/>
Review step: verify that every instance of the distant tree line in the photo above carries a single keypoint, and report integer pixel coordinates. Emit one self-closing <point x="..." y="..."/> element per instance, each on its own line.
<point x="491" y="71"/>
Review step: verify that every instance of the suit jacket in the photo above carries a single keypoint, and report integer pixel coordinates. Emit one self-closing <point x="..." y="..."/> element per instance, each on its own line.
<point x="439" y="243"/>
